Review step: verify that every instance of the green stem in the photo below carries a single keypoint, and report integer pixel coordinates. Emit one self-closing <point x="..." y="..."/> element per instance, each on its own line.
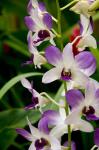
<point x="58" y="35"/>
<point x="6" y="105"/>
<point x="67" y="113"/>
<point x="54" y="19"/>
<point x="61" y="43"/>
<point x="68" y="5"/>
<point x="53" y="101"/>
<point x="93" y="148"/>
<point x="59" y="23"/>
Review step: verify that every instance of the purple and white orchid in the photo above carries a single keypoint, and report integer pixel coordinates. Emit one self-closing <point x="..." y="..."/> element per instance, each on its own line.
<point x="82" y="7"/>
<point x="40" y="23"/>
<point x="54" y="120"/>
<point x="87" y="106"/>
<point x="39" y="139"/>
<point x="74" y="70"/>
<point x="86" y="39"/>
<point x="37" y="99"/>
<point x="37" y="59"/>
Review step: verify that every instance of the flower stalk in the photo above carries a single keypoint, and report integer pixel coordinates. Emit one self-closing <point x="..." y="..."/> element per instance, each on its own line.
<point x="53" y="101"/>
<point x="68" y="5"/>
<point x="61" y="42"/>
<point x="59" y="23"/>
<point x="67" y="113"/>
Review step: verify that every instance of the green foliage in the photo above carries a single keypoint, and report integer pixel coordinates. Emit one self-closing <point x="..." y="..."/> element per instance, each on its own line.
<point x="12" y="119"/>
<point x="14" y="80"/>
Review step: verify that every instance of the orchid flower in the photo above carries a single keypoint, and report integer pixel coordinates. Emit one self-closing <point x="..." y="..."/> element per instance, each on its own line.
<point x="37" y="99"/>
<point x="40" y="24"/>
<point x="86" y="39"/>
<point x="83" y="106"/>
<point x="74" y="70"/>
<point x="36" y="58"/>
<point x="54" y="120"/>
<point x="39" y="139"/>
<point x="82" y="7"/>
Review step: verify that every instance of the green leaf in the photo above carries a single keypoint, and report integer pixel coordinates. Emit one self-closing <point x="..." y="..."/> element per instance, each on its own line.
<point x="14" y="80"/>
<point x="17" y="47"/>
<point x="7" y="137"/>
<point x="16" y="118"/>
<point x="12" y="119"/>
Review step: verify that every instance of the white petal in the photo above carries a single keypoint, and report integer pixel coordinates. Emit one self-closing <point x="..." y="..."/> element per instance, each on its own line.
<point x="68" y="57"/>
<point x="87" y="41"/>
<point x="30" y="40"/>
<point x="84" y="126"/>
<point x="43" y="101"/>
<point x="35" y="93"/>
<point x="37" y="19"/>
<point x="39" y="60"/>
<point x="59" y="130"/>
<point x="32" y="147"/>
<point x="51" y="75"/>
<point x="74" y="117"/>
<point x="84" y="23"/>
<point x="89" y="92"/>
<point x="34" y="131"/>
<point x="26" y="83"/>
<point x="55" y="144"/>
<point x="81" y="8"/>
<point x="62" y="112"/>
<point x="80" y="79"/>
<point x="96" y="83"/>
<point x="35" y="3"/>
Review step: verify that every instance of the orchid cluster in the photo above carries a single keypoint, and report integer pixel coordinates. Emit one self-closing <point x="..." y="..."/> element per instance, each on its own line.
<point x="74" y="67"/>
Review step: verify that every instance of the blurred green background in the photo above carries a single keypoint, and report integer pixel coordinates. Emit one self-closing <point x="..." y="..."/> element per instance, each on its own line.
<point x="13" y="52"/>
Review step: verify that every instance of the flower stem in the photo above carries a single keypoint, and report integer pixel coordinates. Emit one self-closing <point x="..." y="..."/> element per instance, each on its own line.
<point x="61" y="43"/>
<point x="67" y="113"/>
<point x="53" y="101"/>
<point x="68" y="5"/>
<point x="58" y="35"/>
<point x="54" y="19"/>
<point x="94" y="147"/>
<point x="59" y="23"/>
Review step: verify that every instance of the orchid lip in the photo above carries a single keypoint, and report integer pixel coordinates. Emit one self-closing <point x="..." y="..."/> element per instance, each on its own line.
<point x="34" y="104"/>
<point x="40" y="143"/>
<point x="66" y="75"/>
<point x="42" y="34"/>
<point x="88" y="110"/>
